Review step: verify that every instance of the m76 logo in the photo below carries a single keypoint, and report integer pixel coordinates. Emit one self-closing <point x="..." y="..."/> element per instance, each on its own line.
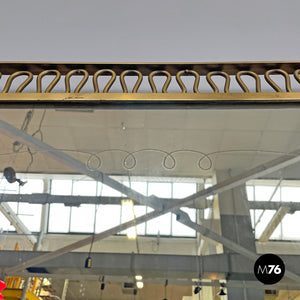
<point x="269" y="269"/>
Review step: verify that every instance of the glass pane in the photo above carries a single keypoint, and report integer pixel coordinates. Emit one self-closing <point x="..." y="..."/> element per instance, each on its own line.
<point x="179" y="229"/>
<point x="8" y="188"/>
<point x="5" y="224"/>
<point x="267" y="216"/>
<point x="252" y="212"/>
<point x="104" y="190"/>
<point x="264" y="193"/>
<point x="140" y="210"/>
<point x="82" y="218"/>
<point x="127" y="214"/>
<point x="108" y="216"/>
<point x="290" y="226"/>
<point x="290" y="194"/>
<point x="59" y="218"/>
<point x="138" y="186"/>
<point x="84" y="188"/>
<point x="276" y="235"/>
<point x="207" y="213"/>
<point x="30" y="215"/>
<point x="250" y="191"/>
<point x="182" y="190"/>
<point x="61" y="187"/>
<point x="32" y="186"/>
<point x="160" y="225"/>
<point x="159" y="189"/>
<point x="14" y="206"/>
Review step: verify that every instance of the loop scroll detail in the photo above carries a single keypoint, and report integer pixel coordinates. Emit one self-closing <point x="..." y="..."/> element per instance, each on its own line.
<point x="296" y="75"/>
<point x="137" y="84"/>
<point x="108" y="85"/>
<point x="51" y="85"/>
<point x="274" y="85"/>
<point x="213" y="85"/>
<point x="15" y="75"/>
<point x="166" y="84"/>
<point x="188" y="72"/>
<point x="243" y="85"/>
<point x="81" y="83"/>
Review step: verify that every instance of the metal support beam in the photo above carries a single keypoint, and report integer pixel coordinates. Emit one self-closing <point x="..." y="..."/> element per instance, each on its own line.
<point x="185" y="219"/>
<point x="163" y="266"/>
<point x="275" y="221"/>
<point x="46" y="198"/>
<point x="25" y="288"/>
<point x="65" y="289"/>
<point x="17" y="223"/>
<point x="266" y="205"/>
<point x="44" y="215"/>
<point x="273" y="194"/>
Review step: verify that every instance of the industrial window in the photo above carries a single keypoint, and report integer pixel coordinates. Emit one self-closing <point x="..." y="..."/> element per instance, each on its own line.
<point x="276" y="191"/>
<point x="81" y="219"/>
<point x="29" y="214"/>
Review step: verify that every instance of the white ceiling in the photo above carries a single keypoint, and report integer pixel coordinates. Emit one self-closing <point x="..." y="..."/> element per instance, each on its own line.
<point x="236" y="139"/>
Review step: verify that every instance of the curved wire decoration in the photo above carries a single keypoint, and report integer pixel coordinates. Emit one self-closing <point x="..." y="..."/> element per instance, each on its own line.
<point x="51" y="85"/>
<point x="243" y="85"/>
<point x="110" y="82"/>
<point x="80" y="84"/>
<point x="15" y="75"/>
<point x="106" y="74"/>
<point x="213" y="85"/>
<point x="169" y="161"/>
<point x="188" y="72"/>
<point x="137" y="84"/>
<point x="274" y="85"/>
<point x="157" y="73"/>
<point x="296" y="75"/>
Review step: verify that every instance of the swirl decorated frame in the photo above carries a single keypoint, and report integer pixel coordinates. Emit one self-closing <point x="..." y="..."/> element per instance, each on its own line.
<point x="234" y="93"/>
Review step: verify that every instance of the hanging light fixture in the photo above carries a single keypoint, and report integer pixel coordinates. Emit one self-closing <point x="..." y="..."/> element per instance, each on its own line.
<point x="102" y="287"/>
<point x="221" y="291"/>
<point x="197" y="289"/>
<point x="10" y="175"/>
<point x="139" y="282"/>
<point x="128" y="215"/>
<point x="166" y="284"/>
<point x="138" y="277"/>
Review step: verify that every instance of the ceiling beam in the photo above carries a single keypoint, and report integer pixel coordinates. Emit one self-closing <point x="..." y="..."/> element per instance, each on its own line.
<point x="17" y="223"/>
<point x="148" y="265"/>
<point x="78" y="200"/>
<point x="71" y="200"/>
<point x="274" y="222"/>
<point x="267" y="205"/>
<point x="208" y="233"/>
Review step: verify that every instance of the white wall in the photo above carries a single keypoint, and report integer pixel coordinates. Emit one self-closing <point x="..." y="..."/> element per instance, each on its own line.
<point x="134" y="30"/>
